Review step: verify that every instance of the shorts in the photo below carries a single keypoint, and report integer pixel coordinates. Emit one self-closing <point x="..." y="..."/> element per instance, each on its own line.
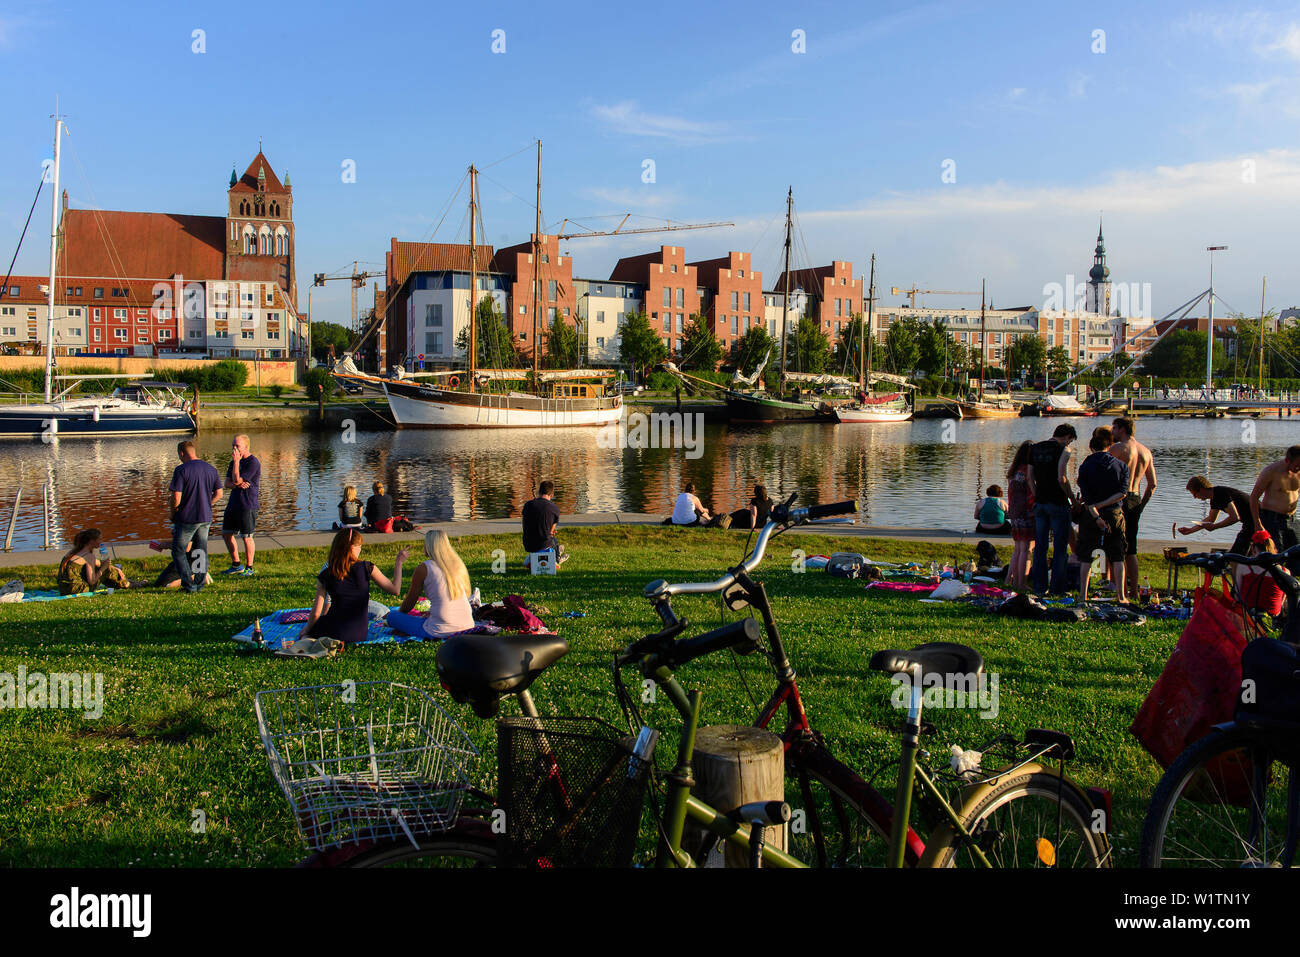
<point x="1132" y="515"/>
<point x="1111" y="542"/>
<point x="1279" y="526"/>
<point x="239" y="522"/>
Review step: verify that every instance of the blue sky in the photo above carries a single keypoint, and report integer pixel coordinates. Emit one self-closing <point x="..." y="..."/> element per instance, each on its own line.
<point x="1182" y="130"/>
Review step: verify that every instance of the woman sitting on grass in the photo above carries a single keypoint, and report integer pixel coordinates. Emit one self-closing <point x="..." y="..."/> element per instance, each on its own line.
<point x="81" y="569"/>
<point x="345" y="583"/>
<point x="444" y="580"/>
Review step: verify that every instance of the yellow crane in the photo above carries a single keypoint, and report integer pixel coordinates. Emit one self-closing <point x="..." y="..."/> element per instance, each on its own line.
<point x="914" y="292"/>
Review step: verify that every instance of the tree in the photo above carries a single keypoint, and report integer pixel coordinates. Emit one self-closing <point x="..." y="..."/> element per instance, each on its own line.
<point x="639" y="346"/>
<point x="700" y="347"/>
<point x="1028" y="352"/>
<point x="932" y="342"/>
<point x="496" y="343"/>
<point x="847" y="348"/>
<point x="748" y="351"/>
<point x="326" y="334"/>
<point x="1058" y="360"/>
<point x="562" y="345"/>
<point x="809" y="349"/>
<point x="1245" y="364"/>
<point x="900" y="345"/>
<point x="1180" y="355"/>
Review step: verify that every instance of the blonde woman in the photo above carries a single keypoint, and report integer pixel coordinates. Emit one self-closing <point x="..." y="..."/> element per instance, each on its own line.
<point x="349" y="509"/>
<point x="444" y="580"/>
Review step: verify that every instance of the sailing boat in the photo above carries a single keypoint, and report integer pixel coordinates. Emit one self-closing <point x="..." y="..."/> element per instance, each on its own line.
<point x="142" y="408"/>
<point x="758" y="405"/>
<point x="871" y="408"/>
<point x="980" y="408"/>
<point x="551" y="399"/>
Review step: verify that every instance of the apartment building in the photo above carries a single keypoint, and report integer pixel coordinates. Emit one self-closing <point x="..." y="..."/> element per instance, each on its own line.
<point x="732" y="299"/>
<point x="602" y="306"/>
<point x="672" y="290"/>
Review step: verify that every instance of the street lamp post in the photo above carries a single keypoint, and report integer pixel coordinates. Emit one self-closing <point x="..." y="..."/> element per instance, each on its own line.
<point x="1209" y="339"/>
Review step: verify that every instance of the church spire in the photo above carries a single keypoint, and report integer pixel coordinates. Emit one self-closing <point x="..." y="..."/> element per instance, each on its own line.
<point x="1099" y="272"/>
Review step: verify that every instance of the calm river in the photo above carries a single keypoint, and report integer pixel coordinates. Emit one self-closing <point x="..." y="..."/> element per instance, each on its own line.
<point x="905" y="474"/>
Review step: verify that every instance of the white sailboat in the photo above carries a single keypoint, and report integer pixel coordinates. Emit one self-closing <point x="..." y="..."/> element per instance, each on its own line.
<point x="870" y="407"/>
<point x="141" y="408"/>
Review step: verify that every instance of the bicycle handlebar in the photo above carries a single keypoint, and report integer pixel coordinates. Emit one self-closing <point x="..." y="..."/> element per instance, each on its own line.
<point x="1217" y="561"/>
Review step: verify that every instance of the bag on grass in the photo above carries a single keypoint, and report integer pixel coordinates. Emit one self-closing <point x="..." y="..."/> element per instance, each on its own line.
<point x="384" y="527"/>
<point x="950" y="589"/>
<point x="1272" y="669"/>
<point x="987" y="555"/>
<point x="846" y="565"/>
<point x="400" y="524"/>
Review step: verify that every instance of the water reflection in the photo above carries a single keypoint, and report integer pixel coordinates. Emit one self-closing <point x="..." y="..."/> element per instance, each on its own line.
<point x="905" y="474"/>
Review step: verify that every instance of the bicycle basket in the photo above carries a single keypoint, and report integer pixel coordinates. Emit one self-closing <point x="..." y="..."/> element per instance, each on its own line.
<point x="366" y="760"/>
<point x="572" y="793"/>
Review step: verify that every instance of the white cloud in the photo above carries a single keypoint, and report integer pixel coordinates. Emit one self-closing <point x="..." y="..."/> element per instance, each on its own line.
<point x="648" y="197"/>
<point x="1078" y="85"/>
<point x="628" y="118"/>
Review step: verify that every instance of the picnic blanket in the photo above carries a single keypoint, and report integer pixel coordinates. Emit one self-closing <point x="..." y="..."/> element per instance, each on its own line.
<point x="52" y="594"/>
<point x="278" y="633"/>
<point x="983" y="591"/>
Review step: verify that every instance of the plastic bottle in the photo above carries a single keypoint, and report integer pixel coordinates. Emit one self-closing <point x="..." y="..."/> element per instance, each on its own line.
<point x="257" y="633"/>
<point x="1145" y="591"/>
<point x="934" y="570"/>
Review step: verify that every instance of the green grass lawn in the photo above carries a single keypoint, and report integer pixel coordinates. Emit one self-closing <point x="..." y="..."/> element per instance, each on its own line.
<point x="178" y="732"/>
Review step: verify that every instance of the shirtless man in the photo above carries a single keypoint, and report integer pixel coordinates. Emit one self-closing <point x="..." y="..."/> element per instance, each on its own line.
<point x="1141" y="468"/>
<point x="1273" y="499"/>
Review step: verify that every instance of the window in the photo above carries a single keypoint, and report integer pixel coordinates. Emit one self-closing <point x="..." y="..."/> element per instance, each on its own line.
<point x="273" y="333"/>
<point x="245" y="317"/>
<point x="668" y="296"/>
<point x="119" y="313"/>
<point x="141" y="315"/>
<point x="9" y="332"/>
<point x="78" y="291"/>
<point x="8" y="310"/>
<point x="523" y="337"/>
<point x="221" y="334"/>
<point x="221" y="297"/>
<point x="735" y="299"/>
<point x="674" y="267"/>
<point x="434" y="343"/>
<point x="270" y="296"/>
<point x="668" y="319"/>
<point x="98" y="335"/>
<point x="735" y="325"/>
<point x="550" y="290"/>
<point x="246" y="334"/>
<point x="250" y="244"/>
<point x="746" y="298"/>
<point x="246" y="298"/>
<point x="119" y="352"/>
<point x="220" y="315"/>
<point x="234" y="231"/>
<point x="433" y="316"/>
<point x="523" y="310"/>
<point x="677" y="345"/>
<point x="13" y="291"/>
<point x="162" y="333"/>
<point x="679" y="322"/>
<point x="742" y="276"/>
<point x="681" y="297"/>
<point x="96" y="315"/>
<point x="119" y="335"/>
<point x="119" y="293"/>
<point x="600" y="316"/>
<point x="195" y="333"/>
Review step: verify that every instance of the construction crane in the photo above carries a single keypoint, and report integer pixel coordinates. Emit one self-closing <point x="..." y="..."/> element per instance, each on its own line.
<point x="914" y="292"/>
<point x="358" y="282"/>
<point x="620" y="231"/>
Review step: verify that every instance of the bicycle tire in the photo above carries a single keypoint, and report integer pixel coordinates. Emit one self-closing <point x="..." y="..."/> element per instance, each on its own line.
<point x="1012" y="821"/>
<point x="1201" y="812"/>
<point x="454" y="848"/>
<point x="834" y="825"/>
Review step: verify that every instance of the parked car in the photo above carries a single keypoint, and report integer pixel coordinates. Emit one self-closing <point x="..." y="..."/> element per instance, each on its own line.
<point x="627" y="387"/>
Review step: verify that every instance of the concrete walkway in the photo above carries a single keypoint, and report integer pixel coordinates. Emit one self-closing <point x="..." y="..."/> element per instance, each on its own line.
<point x="269" y="541"/>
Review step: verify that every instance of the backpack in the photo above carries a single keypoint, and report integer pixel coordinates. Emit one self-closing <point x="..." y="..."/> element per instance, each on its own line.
<point x="987" y="555"/>
<point x="1273" y="669"/>
<point x="846" y="565"/>
<point x="384" y="527"/>
<point x="402" y="525"/>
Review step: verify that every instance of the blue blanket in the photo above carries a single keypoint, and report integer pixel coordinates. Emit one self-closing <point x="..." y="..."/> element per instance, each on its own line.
<point x="276" y="634"/>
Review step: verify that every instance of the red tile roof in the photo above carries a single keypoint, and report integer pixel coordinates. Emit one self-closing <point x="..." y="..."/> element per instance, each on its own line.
<point x="406" y="258"/>
<point x="810" y="280"/>
<point x="110" y="243"/>
<point x="248" y="182"/>
<point x="636" y="268"/>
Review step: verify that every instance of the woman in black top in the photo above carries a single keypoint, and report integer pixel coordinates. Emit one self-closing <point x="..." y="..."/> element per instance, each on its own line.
<point x="755" y="514"/>
<point x="345" y="583"/>
<point x="349" y="509"/>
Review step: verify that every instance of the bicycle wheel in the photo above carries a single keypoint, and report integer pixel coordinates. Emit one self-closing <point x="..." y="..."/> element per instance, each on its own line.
<point x="1223" y="803"/>
<point x="453" y="849"/>
<point x="1029" y="820"/>
<point x="835" y="829"/>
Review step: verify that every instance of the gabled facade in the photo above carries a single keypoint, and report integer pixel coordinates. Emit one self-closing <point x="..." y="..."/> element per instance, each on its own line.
<point x="672" y="290"/>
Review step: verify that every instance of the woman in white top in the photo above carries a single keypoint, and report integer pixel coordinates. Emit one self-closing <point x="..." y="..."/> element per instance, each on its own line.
<point x="444" y="580"/>
<point x="688" y="510"/>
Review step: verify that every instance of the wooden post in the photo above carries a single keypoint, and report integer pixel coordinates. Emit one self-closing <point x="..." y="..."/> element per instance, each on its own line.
<point x="735" y="765"/>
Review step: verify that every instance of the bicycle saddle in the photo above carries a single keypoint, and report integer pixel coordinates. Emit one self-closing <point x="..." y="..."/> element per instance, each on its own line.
<point x="934" y="657"/>
<point x="478" y="669"/>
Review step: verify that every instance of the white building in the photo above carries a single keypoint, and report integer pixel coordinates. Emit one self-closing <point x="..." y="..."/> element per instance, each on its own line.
<point x="602" y="305"/>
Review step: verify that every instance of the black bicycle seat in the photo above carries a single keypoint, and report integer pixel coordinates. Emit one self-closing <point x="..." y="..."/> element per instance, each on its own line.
<point x="478" y="669"/>
<point x="934" y="657"/>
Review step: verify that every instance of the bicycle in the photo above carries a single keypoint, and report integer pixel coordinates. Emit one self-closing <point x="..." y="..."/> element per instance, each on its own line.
<point x="1232" y="798"/>
<point x="584" y="808"/>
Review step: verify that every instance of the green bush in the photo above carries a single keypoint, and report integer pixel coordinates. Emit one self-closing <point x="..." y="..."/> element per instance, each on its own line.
<point x="277" y="391"/>
<point x="225" y="375"/>
<point x="317" y="383"/>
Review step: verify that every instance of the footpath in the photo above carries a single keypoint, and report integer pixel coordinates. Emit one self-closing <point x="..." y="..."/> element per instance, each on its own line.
<point x="270" y="541"/>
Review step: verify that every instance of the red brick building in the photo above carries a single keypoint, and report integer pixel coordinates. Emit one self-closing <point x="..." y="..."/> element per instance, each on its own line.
<point x="556" y="298"/>
<point x="407" y="267"/>
<point x="672" y="290"/>
<point x="733" y="295"/>
<point x="834" y="295"/>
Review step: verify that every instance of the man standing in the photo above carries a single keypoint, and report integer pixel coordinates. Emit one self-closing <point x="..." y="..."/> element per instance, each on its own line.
<point x="1273" y="499"/>
<point x="1233" y="503"/>
<point x="1141" y="468"/>
<point x="244" y="478"/>
<point x="195" y="488"/>
<point x="1048" y="463"/>
<point x="1103" y="484"/>
<point x="541" y="517"/>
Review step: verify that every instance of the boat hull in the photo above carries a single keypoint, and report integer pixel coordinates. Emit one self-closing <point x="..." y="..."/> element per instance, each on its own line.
<point x="854" y="416"/>
<point x="766" y="410"/>
<point x="66" y="420"/>
<point x="422" y="407"/>
<point x="980" y="410"/>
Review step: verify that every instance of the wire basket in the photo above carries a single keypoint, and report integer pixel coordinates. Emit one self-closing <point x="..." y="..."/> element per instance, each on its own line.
<point x="572" y="792"/>
<point x="365" y="760"/>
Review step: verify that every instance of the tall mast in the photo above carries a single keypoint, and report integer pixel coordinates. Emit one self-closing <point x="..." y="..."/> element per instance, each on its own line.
<point x="54" y="251"/>
<point x="785" y="299"/>
<point x="473" y="275"/>
<point x="983" y="341"/>
<point x="1262" y="287"/>
<point x="537" y="259"/>
<point x="871" y="302"/>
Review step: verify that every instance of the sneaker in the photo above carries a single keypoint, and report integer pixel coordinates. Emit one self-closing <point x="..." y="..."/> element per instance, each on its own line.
<point x="248" y="570"/>
<point x="234" y="570"/>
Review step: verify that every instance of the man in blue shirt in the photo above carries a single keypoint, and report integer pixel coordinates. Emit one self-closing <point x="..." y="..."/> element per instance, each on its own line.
<point x="195" y="488"/>
<point x="243" y="478"/>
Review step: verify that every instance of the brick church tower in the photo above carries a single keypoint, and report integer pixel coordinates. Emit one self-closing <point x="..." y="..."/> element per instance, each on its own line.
<point x="259" y="228"/>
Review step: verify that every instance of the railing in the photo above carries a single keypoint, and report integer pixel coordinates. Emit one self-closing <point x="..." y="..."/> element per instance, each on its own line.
<point x="1196" y="394"/>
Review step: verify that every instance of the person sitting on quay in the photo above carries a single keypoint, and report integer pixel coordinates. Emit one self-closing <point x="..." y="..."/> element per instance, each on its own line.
<point x="379" y="508"/>
<point x="444" y="580"/>
<point x="1233" y="503"/>
<point x="991" y="512"/>
<point x="81" y="569"/>
<point x="753" y="515"/>
<point x="344" y="583"/>
<point x="689" y="510"/>
<point x="349" y="509"/>
<point x="1103" y="483"/>
<point x="540" y="518"/>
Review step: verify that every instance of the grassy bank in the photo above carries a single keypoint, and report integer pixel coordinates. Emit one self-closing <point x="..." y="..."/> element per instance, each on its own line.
<point x="178" y="733"/>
